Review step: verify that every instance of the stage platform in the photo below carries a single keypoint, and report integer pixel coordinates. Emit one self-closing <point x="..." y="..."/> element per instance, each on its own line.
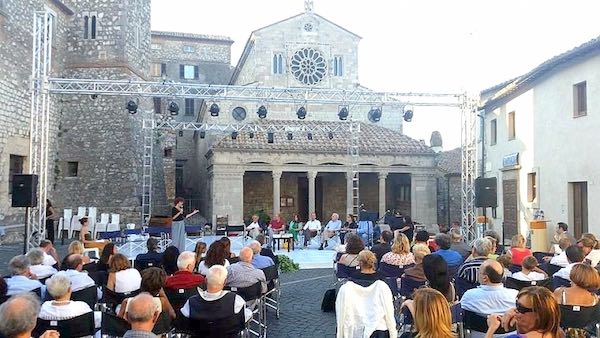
<point x="308" y="258"/>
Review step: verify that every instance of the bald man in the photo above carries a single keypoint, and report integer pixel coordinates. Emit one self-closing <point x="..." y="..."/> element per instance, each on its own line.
<point x="243" y="274"/>
<point x="142" y="314"/>
<point x="491" y="296"/>
<point x="18" y="317"/>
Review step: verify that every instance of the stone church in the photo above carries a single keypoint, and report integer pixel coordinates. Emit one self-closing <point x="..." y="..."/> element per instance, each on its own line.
<point x="95" y="152"/>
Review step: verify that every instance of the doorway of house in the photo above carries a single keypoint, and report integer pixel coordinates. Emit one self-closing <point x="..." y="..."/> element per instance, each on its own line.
<point x="579" y="207"/>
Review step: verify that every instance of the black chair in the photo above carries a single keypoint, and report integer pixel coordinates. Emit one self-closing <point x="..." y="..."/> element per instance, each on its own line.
<point x="249" y="294"/>
<point x="558" y="282"/>
<point x="514" y="268"/>
<point x="390" y="270"/>
<point x="90" y="267"/>
<point x="80" y="326"/>
<point x="551" y="269"/>
<point x="229" y="327"/>
<point x="345" y="271"/>
<point x="178" y="297"/>
<point x="408" y="286"/>
<point x="273" y="294"/>
<point x="578" y="317"/>
<point x="142" y="264"/>
<point x="462" y="285"/>
<point x="540" y="256"/>
<point x="474" y="322"/>
<point x="114" y="326"/>
<point x="517" y="284"/>
<point x="112" y="299"/>
<point x="88" y="295"/>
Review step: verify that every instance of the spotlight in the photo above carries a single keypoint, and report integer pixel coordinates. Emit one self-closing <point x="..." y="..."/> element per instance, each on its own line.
<point x="290" y="136"/>
<point x="234" y="135"/>
<point x="251" y="134"/>
<point x="262" y="112"/>
<point x="173" y="108"/>
<point x="270" y="137"/>
<point x="181" y="133"/>
<point x="202" y="134"/>
<point x="214" y="109"/>
<point x="408" y="115"/>
<point x="330" y="135"/>
<point x="375" y="114"/>
<point x="94" y="96"/>
<point x="132" y="107"/>
<point x="343" y="113"/>
<point x="309" y="135"/>
<point x="301" y="113"/>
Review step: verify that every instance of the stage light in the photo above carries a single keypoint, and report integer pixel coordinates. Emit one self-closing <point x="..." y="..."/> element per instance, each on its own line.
<point x="181" y="133"/>
<point x="290" y="136"/>
<point x="173" y="108"/>
<point x="343" y="113"/>
<point x="301" y="113"/>
<point x="375" y="114"/>
<point x="202" y="134"/>
<point x="262" y="112"/>
<point x="234" y="135"/>
<point x="94" y="96"/>
<point x="214" y="110"/>
<point x="270" y="137"/>
<point x="330" y="135"/>
<point x="132" y="107"/>
<point x="408" y="114"/>
<point x="309" y="135"/>
<point x="251" y="134"/>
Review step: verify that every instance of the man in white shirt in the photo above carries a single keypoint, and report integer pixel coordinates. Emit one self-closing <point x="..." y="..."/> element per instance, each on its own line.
<point x="50" y="255"/>
<point x="561" y="259"/>
<point x="36" y="257"/>
<point x="530" y="271"/>
<point x="79" y="280"/>
<point x="311" y="228"/>
<point x="331" y="229"/>
<point x="574" y="256"/>
<point x="255" y="227"/>
<point x="491" y="296"/>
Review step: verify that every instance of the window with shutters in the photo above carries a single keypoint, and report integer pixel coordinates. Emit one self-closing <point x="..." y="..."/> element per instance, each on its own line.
<point x="493" y="132"/>
<point x="155" y="69"/>
<point x="189" y="106"/>
<point x="163" y="69"/>
<point x="338" y="66"/>
<point x="580" y="99"/>
<point x="15" y="167"/>
<point x="188" y="72"/>
<point x="277" y="63"/>
<point x="157" y="105"/>
<point x="511" y="126"/>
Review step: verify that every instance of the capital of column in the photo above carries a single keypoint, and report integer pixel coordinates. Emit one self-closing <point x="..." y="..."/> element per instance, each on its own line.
<point x="382" y="175"/>
<point x="311" y="175"/>
<point x="349" y="175"/>
<point x="276" y="174"/>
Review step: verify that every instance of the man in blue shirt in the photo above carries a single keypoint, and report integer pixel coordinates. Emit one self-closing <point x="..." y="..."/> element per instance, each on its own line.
<point x="453" y="258"/>
<point x="259" y="262"/>
<point x="22" y="279"/>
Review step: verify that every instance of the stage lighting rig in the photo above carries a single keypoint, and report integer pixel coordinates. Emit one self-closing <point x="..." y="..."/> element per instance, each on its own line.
<point x="214" y="110"/>
<point x="375" y="114"/>
<point x="408" y="114"/>
<point x="132" y="107"/>
<point x="301" y="113"/>
<point x="173" y="108"/>
<point x="343" y="113"/>
<point x="262" y="112"/>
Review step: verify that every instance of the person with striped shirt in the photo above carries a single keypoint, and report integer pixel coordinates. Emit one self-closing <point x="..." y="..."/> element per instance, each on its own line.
<point x="469" y="270"/>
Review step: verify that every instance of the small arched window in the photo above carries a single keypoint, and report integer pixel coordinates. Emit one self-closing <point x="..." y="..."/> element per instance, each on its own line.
<point x="93" y="29"/>
<point x="277" y="63"/>
<point x="86" y="26"/>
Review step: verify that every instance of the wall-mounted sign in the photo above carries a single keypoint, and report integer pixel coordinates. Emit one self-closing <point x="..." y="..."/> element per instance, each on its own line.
<point x="510" y="160"/>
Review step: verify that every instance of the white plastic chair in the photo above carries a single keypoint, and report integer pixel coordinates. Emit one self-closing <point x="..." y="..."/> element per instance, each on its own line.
<point x="114" y="224"/>
<point x="75" y="225"/>
<point x="66" y="221"/>
<point x="92" y="218"/>
<point x="102" y="225"/>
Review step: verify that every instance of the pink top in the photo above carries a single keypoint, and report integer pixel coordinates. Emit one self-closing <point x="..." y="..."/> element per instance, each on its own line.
<point x="518" y="254"/>
<point x="396" y="259"/>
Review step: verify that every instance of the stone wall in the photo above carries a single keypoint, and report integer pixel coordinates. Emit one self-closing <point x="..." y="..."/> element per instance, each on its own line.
<point x="258" y="193"/>
<point x="334" y="195"/>
<point x="369" y="191"/>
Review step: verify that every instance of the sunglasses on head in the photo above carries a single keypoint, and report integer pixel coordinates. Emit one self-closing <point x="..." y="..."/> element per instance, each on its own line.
<point x="521" y="309"/>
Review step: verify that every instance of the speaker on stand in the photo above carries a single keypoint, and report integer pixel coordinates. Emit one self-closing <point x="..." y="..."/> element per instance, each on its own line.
<point x="486" y="195"/>
<point x="24" y="194"/>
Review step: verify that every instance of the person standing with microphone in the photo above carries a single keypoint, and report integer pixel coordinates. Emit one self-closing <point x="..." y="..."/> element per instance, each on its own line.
<point x="178" y="235"/>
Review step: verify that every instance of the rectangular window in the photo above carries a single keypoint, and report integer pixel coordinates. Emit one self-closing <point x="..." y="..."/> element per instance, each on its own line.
<point x="15" y="167"/>
<point x="189" y="49"/>
<point x="531" y="187"/>
<point x="86" y="27"/>
<point x="157" y="105"/>
<point x="189" y="106"/>
<point x="163" y="69"/>
<point x="511" y="126"/>
<point x="580" y="99"/>
<point x="188" y="72"/>
<point x="72" y="169"/>
<point x="277" y="63"/>
<point x="338" y="66"/>
<point x="155" y="46"/>
<point x="156" y="69"/>
<point x="493" y="132"/>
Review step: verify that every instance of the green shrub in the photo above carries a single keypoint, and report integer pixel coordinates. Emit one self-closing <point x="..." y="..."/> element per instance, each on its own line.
<point x="286" y="264"/>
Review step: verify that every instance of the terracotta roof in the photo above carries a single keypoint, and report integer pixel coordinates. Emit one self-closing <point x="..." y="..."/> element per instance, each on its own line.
<point x="191" y="36"/>
<point x="449" y="162"/>
<point x="374" y="140"/>
<point x="526" y="81"/>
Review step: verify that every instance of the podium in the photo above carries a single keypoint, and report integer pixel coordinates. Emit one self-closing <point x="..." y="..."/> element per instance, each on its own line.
<point x="539" y="235"/>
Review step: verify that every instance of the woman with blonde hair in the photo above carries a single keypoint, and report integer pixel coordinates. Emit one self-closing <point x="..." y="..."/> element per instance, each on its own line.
<point x="76" y="247"/>
<point x="400" y="254"/>
<point x="591" y="248"/>
<point x="432" y="318"/>
<point x="517" y="250"/>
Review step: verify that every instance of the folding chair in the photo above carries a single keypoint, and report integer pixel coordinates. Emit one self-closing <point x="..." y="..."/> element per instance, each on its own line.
<point x="221" y="225"/>
<point x="112" y="299"/>
<point x="462" y="285"/>
<point x="516" y="284"/>
<point x="115" y="222"/>
<point x="163" y="232"/>
<point x="577" y="317"/>
<point x="558" y="282"/>
<point x="80" y="326"/>
<point x="114" y="326"/>
<point x="228" y="327"/>
<point x="273" y="295"/>
<point x="458" y="314"/>
<point x="65" y="222"/>
<point x="178" y="297"/>
<point x="102" y="225"/>
<point x="390" y="270"/>
<point x="143" y="264"/>
<point x="514" y="268"/>
<point x="408" y="286"/>
<point x="344" y="271"/>
<point x="92" y="219"/>
<point x="110" y="235"/>
<point x="474" y="322"/>
<point x="75" y="225"/>
<point x="88" y="295"/>
<point x="254" y="294"/>
<point x="551" y="269"/>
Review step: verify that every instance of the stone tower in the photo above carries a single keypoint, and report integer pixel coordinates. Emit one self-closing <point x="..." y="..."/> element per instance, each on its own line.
<point x="435" y="142"/>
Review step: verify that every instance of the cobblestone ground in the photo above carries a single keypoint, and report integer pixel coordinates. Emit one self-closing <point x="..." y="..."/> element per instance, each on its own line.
<point x="301" y="295"/>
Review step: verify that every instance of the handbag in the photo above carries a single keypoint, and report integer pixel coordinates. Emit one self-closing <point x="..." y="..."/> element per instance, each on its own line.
<point x="328" y="303"/>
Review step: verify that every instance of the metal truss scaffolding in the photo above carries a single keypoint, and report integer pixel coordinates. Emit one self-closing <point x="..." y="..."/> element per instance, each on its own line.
<point x="468" y="166"/>
<point x="44" y="87"/>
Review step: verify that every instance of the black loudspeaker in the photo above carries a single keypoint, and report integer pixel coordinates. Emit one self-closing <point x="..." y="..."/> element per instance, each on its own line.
<point x="24" y="190"/>
<point x="486" y="192"/>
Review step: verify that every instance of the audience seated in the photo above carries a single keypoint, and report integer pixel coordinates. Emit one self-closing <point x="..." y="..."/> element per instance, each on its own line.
<point x="266" y="251"/>
<point x="76" y="247"/>
<point x="199" y="251"/>
<point x="506" y="261"/>
<point x="276" y="226"/>
<point x="152" y="255"/>
<point x="367" y="273"/>
<point x="215" y="303"/>
<point x="536" y="315"/>
<point x="243" y="274"/>
<point x="79" y="280"/>
<point x="41" y="271"/>
<point x="494" y="250"/>
<point x="50" y="254"/>
<point x="142" y="314"/>
<point x="458" y="243"/>
<point x="383" y="245"/>
<point x="348" y="226"/>
<point x="18" y="317"/>
<point x="311" y="228"/>
<point x="581" y="304"/>
<point x="574" y="255"/>
<point x="331" y="229"/>
<point x="22" y="279"/>
<point x="365" y="311"/>
<point x="491" y="297"/>
<point x="122" y="277"/>
<point x="560" y="259"/>
<point x="185" y="278"/>
<point x="169" y="259"/>
<point x="255" y="227"/>
<point x="591" y="248"/>
<point x="498" y="246"/>
<point x="295" y="227"/>
<point x="108" y="251"/>
<point x="62" y="307"/>
<point x="562" y="231"/>
<point x="530" y="271"/>
<point x="469" y="270"/>
<point x="259" y="261"/>
<point x="153" y="282"/>
<point x="453" y="258"/>
<point x="435" y="269"/>
<point x="354" y="245"/>
<point x="216" y="255"/>
<point x="517" y="250"/>
<point x="400" y="254"/>
<point x="416" y="272"/>
<point x="231" y="257"/>
<point x="422" y="237"/>
<point x="431" y="314"/>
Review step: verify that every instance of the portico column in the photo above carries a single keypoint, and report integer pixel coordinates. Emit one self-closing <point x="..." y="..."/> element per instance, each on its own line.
<point x="311" y="191"/>
<point x="349" y="202"/>
<point x="276" y="191"/>
<point x="382" y="177"/>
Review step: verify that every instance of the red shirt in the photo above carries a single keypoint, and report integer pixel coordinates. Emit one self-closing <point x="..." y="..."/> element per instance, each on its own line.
<point x="276" y="225"/>
<point x="518" y="254"/>
<point x="184" y="280"/>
